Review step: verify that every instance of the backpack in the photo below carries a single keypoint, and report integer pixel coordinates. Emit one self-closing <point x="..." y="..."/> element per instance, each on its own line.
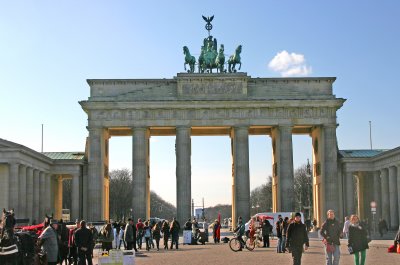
<point x="147" y="232"/>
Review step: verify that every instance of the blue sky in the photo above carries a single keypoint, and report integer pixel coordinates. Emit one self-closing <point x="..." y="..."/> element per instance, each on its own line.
<point x="49" y="48"/>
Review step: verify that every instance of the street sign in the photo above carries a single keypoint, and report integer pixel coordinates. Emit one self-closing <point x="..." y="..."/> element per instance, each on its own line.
<point x="373" y="209"/>
<point x="373" y="204"/>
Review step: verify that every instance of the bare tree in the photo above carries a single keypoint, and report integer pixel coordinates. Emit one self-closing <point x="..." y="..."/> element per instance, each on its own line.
<point x="303" y="190"/>
<point x="121" y="192"/>
<point x="261" y="197"/>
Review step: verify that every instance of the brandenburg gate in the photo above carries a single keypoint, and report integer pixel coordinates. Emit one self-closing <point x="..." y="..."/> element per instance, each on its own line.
<point x="195" y="104"/>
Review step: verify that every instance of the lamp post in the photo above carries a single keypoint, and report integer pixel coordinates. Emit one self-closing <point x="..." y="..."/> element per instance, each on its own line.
<point x="309" y="175"/>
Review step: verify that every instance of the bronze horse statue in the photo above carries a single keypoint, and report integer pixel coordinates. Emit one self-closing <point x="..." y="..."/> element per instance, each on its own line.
<point x="220" y="60"/>
<point x="8" y="241"/>
<point x="189" y="59"/>
<point x="235" y="59"/>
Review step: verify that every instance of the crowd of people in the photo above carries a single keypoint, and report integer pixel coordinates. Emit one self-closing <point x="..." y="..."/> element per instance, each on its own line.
<point x="75" y="245"/>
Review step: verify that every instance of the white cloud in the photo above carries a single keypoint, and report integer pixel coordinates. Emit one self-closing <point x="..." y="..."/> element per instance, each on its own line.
<point x="289" y="64"/>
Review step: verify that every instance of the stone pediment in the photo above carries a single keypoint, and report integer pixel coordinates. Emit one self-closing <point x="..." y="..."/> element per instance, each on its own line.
<point x="8" y="144"/>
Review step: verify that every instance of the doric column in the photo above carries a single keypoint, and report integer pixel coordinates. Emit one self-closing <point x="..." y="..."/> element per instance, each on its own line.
<point x="96" y="173"/>
<point x="377" y="195"/>
<point x="183" y="173"/>
<point x="22" y="192"/>
<point x="361" y="197"/>
<point x="329" y="168"/>
<point x="35" y="209"/>
<point x="29" y="194"/>
<point x="398" y="190"/>
<point x="140" y="156"/>
<point x="241" y="173"/>
<point x="13" y="190"/>
<point x="350" y="209"/>
<point x="283" y="168"/>
<point x="42" y="195"/>
<point x="394" y="215"/>
<point x="58" y="198"/>
<point x="75" y="197"/>
<point x="385" y="194"/>
<point x="47" y="182"/>
<point x="85" y="185"/>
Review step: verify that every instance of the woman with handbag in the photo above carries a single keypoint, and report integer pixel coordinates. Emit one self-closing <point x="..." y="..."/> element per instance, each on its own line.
<point x="358" y="241"/>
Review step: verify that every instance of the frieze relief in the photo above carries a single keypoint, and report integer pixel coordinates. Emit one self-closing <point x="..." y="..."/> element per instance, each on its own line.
<point x="212" y="114"/>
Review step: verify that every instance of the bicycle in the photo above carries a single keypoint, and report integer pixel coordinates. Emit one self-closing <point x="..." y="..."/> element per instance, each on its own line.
<point x="236" y="245"/>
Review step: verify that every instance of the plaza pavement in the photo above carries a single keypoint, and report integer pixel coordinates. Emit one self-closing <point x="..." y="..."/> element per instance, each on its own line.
<point x="221" y="254"/>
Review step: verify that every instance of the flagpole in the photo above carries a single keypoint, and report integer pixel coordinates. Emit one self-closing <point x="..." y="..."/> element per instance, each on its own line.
<point x="42" y="137"/>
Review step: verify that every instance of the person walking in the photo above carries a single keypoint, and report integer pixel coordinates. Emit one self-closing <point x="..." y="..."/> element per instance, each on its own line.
<point x="107" y="237"/>
<point x="265" y="230"/>
<point x="382" y="227"/>
<point x="95" y="236"/>
<point x="139" y="233"/>
<point x="174" y="231"/>
<point x="48" y="242"/>
<point x="358" y="241"/>
<point x="63" y="232"/>
<point x="188" y="225"/>
<point x="129" y="235"/>
<point x="157" y="234"/>
<point x="331" y="232"/>
<point x="165" y="231"/>
<point x="278" y="226"/>
<point x="121" y="236"/>
<point x="147" y="234"/>
<point x="297" y="238"/>
<point x="346" y="227"/>
<point x="216" y="228"/>
<point x="73" y="253"/>
<point x="284" y="227"/>
<point x="83" y="241"/>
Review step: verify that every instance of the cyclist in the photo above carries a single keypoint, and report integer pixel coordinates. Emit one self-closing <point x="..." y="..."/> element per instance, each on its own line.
<point x="240" y="229"/>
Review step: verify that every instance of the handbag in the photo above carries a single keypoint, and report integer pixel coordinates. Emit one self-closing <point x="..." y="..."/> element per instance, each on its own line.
<point x="350" y="249"/>
<point x="330" y="248"/>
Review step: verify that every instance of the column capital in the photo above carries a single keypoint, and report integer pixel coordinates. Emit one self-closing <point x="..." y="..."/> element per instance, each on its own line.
<point x="139" y="128"/>
<point x="384" y="171"/>
<point x="330" y="125"/>
<point x="377" y="173"/>
<point x="183" y="127"/>
<point x="285" y="125"/>
<point x="91" y="128"/>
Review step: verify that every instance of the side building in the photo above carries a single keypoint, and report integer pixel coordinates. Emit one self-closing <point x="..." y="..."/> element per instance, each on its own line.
<point x="32" y="182"/>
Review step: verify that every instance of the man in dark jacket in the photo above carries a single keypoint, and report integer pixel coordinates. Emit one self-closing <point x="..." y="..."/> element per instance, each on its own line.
<point x="188" y="225"/>
<point x="296" y="238"/>
<point x="278" y="226"/>
<point x="174" y="231"/>
<point x="331" y="232"/>
<point x="129" y="235"/>
<point x="266" y="229"/>
<point x="83" y="241"/>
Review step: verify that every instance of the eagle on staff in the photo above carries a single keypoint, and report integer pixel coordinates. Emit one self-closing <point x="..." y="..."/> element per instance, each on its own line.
<point x="208" y="25"/>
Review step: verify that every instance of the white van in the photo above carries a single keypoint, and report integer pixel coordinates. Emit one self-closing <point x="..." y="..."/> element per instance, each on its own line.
<point x="274" y="218"/>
